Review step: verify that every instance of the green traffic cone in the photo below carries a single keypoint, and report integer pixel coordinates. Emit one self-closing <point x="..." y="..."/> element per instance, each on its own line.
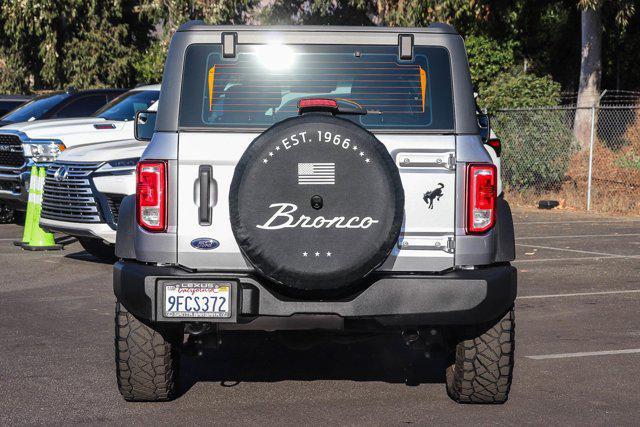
<point x="28" y="222"/>
<point x="40" y="240"/>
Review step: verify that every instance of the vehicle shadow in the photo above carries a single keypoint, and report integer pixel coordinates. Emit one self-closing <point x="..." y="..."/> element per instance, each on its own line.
<point x="262" y="357"/>
<point x="81" y="255"/>
<point x="65" y="240"/>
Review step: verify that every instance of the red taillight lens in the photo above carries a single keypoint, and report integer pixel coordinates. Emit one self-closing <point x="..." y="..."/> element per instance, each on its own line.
<point x="496" y="145"/>
<point x="481" y="200"/>
<point x="151" y="191"/>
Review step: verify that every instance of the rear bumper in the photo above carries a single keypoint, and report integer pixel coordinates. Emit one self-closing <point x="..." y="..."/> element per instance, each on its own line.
<point x="459" y="297"/>
<point x="78" y="229"/>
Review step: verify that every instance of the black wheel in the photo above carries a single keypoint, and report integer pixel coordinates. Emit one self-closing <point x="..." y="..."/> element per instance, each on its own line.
<point x="7" y="215"/>
<point x="98" y="248"/>
<point x="146" y="359"/>
<point x="483" y="366"/>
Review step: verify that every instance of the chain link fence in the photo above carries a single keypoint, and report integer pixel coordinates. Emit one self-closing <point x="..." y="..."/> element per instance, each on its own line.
<point x="585" y="158"/>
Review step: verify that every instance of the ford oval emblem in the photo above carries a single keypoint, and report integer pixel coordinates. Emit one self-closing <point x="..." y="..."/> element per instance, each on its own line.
<point x="205" y="243"/>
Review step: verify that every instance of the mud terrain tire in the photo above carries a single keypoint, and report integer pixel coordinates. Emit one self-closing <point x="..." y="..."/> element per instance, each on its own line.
<point x="146" y="359"/>
<point x="483" y="366"/>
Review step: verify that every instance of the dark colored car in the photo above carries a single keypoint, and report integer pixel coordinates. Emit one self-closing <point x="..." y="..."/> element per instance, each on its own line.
<point x="11" y="102"/>
<point x="61" y="105"/>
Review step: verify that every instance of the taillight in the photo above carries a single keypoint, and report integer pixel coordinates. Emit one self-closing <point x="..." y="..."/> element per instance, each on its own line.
<point x="481" y="198"/>
<point x="151" y="195"/>
<point x="496" y="145"/>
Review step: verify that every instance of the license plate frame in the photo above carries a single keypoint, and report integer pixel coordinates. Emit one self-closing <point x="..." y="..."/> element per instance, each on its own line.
<point x="170" y="286"/>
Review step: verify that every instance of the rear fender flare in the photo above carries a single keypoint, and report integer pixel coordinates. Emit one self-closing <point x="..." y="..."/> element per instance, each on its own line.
<point x="125" y="248"/>
<point x="504" y="233"/>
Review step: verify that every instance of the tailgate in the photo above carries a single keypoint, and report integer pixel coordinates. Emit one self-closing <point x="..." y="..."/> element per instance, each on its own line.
<point x="428" y="178"/>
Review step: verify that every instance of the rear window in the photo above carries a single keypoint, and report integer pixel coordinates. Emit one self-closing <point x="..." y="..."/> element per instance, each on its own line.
<point x="263" y="83"/>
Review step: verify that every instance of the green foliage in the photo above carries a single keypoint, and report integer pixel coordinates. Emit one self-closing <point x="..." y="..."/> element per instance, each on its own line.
<point x="103" y="52"/>
<point x="13" y="74"/>
<point x="467" y="16"/>
<point x="318" y="12"/>
<point x="151" y="63"/>
<point x="500" y="83"/>
<point x="488" y="58"/>
<point x="173" y="13"/>
<point x="629" y="160"/>
<point x="49" y="44"/>
<point x="537" y="148"/>
<point x="520" y="90"/>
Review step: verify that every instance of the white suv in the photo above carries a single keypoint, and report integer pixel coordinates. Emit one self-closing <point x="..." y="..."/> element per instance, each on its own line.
<point x="83" y="190"/>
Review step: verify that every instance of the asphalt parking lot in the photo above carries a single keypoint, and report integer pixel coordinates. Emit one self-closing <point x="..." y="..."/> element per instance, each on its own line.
<point x="577" y="354"/>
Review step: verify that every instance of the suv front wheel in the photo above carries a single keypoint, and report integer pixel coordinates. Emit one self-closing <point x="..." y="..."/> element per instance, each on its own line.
<point x="146" y="359"/>
<point x="483" y="366"/>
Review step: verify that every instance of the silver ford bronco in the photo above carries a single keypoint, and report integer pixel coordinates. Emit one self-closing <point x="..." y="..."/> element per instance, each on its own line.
<point x="316" y="178"/>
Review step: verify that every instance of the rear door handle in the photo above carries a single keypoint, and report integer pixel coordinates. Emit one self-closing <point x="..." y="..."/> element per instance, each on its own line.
<point x="204" y="210"/>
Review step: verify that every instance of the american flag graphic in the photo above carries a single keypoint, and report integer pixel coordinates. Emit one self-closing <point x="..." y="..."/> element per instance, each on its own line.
<point x="316" y="173"/>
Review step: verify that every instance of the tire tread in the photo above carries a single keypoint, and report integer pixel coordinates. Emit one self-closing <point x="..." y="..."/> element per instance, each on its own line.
<point x="146" y="362"/>
<point x="483" y="367"/>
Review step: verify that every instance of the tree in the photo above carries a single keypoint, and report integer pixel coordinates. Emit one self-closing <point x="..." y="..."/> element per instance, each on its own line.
<point x="170" y="14"/>
<point x="49" y="44"/>
<point x="590" y="68"/>
<point x="591" y="60"/>
<point x="517" y="89"/>
<point x="318" y="12"/>
<point x="467" y="15"/>
<point x="103" y="51"/>
<point x="488" y="58"/>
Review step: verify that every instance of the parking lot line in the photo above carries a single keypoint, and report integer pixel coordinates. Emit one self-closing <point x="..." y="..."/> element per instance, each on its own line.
<point x="576" y="258"/>
<point x="583" y="354"/>
<point x="580" y="294"/>
<point x="577" y="236"/>
<point x="572" y="250"/>
<point x="576" y="221"/>
<point x="35" y="255"/>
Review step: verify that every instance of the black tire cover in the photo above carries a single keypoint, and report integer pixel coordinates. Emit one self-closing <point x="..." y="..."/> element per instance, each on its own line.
<point x="270" y="203"/>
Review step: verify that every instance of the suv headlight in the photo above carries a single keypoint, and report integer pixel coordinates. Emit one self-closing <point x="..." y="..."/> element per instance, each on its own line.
<point x="43" y="151"/>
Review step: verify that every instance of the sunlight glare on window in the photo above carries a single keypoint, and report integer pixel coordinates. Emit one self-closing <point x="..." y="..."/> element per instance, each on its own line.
<point x="275" y="57"/>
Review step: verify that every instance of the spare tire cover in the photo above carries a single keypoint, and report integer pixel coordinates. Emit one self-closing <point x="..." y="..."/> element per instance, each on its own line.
<point x="316" y="203"/>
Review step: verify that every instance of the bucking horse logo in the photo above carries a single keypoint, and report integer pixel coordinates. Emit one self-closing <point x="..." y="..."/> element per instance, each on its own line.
<point x="429" y="196"/>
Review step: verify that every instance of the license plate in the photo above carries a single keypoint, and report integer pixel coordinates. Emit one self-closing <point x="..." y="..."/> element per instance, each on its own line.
<point x="197" y="299"/>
